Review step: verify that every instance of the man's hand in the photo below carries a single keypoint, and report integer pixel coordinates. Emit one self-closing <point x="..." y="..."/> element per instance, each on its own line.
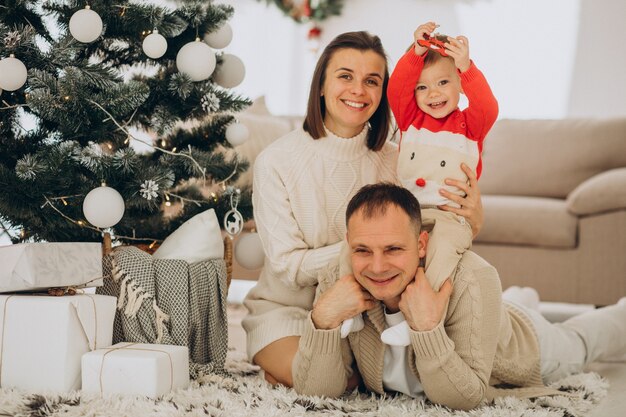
<point x="345" y="299"/>
<point x="423" y="308"/>
<point x="458" y="49"/>
<point x="425" y="29"/>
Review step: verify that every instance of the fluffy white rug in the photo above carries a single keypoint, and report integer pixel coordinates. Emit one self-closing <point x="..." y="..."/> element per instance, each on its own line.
<point x="244" y="393"/>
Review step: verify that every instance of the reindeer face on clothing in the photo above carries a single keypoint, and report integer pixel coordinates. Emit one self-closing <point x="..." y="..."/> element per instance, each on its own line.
<point x="426" y="159"/>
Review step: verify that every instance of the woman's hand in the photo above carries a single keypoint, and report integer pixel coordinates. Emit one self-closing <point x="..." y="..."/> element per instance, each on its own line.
<point x="471" y="205"/>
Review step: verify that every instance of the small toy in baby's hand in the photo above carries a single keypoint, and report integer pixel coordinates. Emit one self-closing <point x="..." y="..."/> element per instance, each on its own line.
<point x="432" y="42"/>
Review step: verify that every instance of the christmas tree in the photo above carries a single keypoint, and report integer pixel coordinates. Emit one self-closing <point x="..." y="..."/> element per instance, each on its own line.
<point x="72" y="125"/>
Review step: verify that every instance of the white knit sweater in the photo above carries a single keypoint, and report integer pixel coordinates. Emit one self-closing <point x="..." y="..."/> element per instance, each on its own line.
<point x="301" y="189"/>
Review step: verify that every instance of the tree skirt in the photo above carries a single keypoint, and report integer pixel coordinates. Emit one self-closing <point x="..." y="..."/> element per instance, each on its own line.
<point x="244" y="393"/>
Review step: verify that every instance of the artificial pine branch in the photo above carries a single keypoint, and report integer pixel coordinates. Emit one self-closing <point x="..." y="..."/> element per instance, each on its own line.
<point x="69" y="128"/>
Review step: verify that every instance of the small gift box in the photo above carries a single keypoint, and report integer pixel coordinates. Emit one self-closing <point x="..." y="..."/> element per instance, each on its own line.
<point x="136" y="369"/>
<point x="43" y="338"/>
<point x="37" y="266"/>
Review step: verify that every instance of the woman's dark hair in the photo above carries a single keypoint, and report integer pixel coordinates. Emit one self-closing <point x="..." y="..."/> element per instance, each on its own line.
<point x="374" y="199"/>
<point x="316" y="110"/>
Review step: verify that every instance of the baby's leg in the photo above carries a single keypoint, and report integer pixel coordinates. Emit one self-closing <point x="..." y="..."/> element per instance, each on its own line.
<point x="449" y="239"/>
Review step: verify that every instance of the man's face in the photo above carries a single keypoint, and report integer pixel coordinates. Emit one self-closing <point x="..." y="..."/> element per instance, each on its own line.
<point x="385" y="252"/>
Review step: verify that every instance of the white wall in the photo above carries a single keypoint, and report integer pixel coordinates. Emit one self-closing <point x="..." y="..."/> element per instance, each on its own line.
<point x="543" y="59"/>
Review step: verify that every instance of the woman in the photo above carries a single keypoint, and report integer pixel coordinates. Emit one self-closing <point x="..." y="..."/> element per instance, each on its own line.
<point x="302" y="184"/>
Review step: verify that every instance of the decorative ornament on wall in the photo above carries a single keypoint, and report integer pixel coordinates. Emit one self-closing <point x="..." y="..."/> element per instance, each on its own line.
<point x="304" y="11"/>
<point x="13" y="73"/>
<point x="311" y="12"/>
<point x="86" y="25"/>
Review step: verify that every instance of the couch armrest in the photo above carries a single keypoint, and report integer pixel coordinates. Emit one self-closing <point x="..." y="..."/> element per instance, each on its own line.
<point x="600" y="193"/>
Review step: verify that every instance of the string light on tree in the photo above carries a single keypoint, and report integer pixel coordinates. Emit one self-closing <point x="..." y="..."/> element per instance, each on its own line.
<point x="231" y="72"/>
<point x="103" y="207"/>
<point x="13" y="73"/>
<point x="154" y="45"/>
<point x="221" y="38"/>
<point x="197" y="60"/>
<point x="86" y="25"/>
<point x="237" y="133"/>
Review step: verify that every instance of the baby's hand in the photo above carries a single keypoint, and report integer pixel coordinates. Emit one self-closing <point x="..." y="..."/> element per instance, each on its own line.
<point x="425" y="29"/>
<point x="458" y="49"/>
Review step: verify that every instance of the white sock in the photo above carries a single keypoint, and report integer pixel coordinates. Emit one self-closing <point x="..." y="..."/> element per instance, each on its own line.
<point x="525" y="296"/>
<point x="397" y="335"/>
<point x="354" y="324"/>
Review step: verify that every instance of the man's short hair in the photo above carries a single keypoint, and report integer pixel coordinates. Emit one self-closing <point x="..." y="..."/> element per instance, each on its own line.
<point x="372" y="200"/>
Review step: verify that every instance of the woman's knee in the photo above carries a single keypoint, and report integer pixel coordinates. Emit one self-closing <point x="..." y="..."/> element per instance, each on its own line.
<point x="276" y="360"/>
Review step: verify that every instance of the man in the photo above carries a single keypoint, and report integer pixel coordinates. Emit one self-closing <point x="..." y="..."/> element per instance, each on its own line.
<point x="464" y="339"/>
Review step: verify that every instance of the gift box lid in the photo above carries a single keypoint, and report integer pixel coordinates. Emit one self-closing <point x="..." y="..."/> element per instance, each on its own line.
<point x="37" y="266"/>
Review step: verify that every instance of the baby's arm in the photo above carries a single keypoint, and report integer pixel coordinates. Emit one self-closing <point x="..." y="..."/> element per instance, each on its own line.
<point x="401" y="88"/>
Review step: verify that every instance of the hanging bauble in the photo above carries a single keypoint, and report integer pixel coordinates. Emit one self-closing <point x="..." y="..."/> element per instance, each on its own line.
<point x="154" y="45"/>
<point x="220" y="38"/>
<point x="237" y="133"/>
<point x="103" y="207"/>
<point x="13" y="73"/>
<point x="231" y="71"/>
<point x="85" y="25"/>
<point x="249" y="251"/>
<point x="197" y="60"/>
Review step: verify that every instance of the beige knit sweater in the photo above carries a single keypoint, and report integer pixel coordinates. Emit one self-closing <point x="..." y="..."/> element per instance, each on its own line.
<point x="480" y="343"/>
<point x="301" y="189"/>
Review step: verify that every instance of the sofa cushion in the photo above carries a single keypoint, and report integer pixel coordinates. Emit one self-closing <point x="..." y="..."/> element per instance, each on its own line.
<point x="604" y="192"/>
<point x="549" y="158"/>
<point x="532" y="221"/>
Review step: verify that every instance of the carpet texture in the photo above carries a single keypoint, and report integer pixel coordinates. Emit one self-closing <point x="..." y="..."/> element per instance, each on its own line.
<point x="244" y="393"/>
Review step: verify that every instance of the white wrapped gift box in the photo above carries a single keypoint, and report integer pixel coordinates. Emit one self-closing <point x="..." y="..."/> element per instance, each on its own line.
<point x="136" y="369"/>
<point x="43" y="338"/>
<point x="37" y="266"/>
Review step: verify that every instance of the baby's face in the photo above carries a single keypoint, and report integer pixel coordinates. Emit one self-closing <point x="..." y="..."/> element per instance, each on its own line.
<point x="439" y="88"/>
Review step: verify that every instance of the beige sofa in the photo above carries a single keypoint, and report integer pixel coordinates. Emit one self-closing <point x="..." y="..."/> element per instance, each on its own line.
<point x="554" y="195"/>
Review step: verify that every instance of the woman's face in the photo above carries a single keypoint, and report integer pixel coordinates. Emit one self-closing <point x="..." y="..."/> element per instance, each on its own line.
<point x="352" y="90"/>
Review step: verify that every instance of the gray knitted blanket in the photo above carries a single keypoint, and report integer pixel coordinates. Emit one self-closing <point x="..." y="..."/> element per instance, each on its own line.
<point x="170" y="302"/>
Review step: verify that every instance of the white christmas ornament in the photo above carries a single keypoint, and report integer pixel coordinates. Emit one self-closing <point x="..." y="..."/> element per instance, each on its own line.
<point x="154" y="45"/>
<point x="237" y="133"/>
<point x="86" y="25"/>
<point x="220" y="38"/>
<point x="231" y="72"/>
<point x="13" y="73"/>
<point x="197" y="60"/>
<point x="249" y="251"/>
<point x="103" y="207"/>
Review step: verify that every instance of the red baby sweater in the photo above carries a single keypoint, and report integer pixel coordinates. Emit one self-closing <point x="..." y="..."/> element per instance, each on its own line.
<point x="474" y="122"/>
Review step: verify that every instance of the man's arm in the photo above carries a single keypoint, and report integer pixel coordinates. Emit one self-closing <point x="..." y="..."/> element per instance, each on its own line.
<point x="323" y="363"/>
<point x="455" y="357"/>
